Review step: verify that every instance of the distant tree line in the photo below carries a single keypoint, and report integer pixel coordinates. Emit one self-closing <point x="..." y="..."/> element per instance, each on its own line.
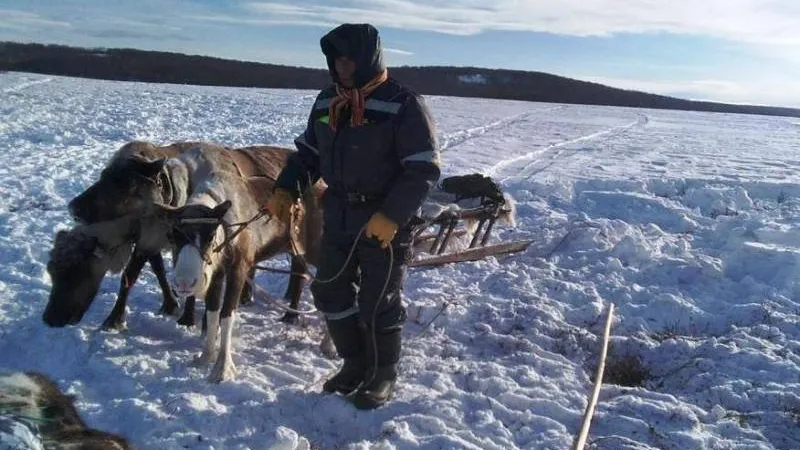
<point x="149" y="66"/>
<point x="163" y="67"/>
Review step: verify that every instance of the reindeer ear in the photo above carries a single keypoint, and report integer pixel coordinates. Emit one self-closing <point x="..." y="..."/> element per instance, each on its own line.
<point x="151" y="169"/>
<point x="221" y="209"/>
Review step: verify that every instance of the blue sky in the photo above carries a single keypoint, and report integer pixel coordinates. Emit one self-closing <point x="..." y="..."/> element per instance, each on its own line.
<point x="739" y="51"/>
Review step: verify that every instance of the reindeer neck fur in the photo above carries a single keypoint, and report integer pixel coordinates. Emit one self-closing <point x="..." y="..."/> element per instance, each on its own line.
<point x="192" y="164"/>
<point x="115" y="239"/>
<point x="153" y="233"/>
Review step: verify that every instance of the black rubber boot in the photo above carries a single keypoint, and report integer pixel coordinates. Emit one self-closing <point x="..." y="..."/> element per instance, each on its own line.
<point x="378" y="391"/>
<point x="347" y="379"/>
<point x="346" y="335"/>
<point x="381" y="378"/>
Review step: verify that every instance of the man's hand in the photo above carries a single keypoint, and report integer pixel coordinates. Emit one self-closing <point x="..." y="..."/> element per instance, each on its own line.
<point x="279" y="204"/>
<point x="381" y="228"/>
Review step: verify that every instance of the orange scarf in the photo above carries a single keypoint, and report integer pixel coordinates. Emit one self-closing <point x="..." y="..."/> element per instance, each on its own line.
<point x="355" y="98"/>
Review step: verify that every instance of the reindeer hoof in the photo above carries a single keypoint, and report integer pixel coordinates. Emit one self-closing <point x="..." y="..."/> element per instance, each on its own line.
<point x="168" y="309"/>
<point x="186" y="321"/>
<point x="290" y="318"/>
<point x="203" y="359"/>
<point x="114" y="325"/>
<point x="223" y="370"/>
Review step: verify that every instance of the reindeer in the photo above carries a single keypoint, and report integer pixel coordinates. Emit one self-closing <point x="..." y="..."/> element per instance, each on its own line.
<point x="34" y="413"/>
<point x="213" y="257"/>
<point x="110" y="214"/>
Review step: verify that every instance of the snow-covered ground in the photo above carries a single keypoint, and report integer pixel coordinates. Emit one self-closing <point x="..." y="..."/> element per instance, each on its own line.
<point x="687" y="222"/>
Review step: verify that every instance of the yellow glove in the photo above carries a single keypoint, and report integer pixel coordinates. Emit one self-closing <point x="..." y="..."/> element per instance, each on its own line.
<point x="381" y="228"/>
<point x="279" y="204"/>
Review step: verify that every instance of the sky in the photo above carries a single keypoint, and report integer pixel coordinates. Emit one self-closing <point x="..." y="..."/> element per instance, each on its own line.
<point x="736" y="51"/>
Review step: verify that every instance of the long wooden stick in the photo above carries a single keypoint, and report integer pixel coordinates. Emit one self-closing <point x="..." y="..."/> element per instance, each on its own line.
<point x="580" y="440"/>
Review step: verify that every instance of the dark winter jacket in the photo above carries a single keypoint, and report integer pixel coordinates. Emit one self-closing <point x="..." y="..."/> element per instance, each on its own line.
<point x="391" y="161"/>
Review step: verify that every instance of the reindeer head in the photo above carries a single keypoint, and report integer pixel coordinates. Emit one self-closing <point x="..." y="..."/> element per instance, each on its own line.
<point x="124" y="187"/>
<point x="198" y="232"/>
<point x="78" y="262"/>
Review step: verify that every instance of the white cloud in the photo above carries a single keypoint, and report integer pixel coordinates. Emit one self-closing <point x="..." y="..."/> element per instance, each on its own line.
<point x="24" y="21"/>
<point x="397" y="51"/>
<point x="775" y="22"/>
<point x="260" y="21"/>
<point x="154" y="24"/>
<point x="753" y="92"/>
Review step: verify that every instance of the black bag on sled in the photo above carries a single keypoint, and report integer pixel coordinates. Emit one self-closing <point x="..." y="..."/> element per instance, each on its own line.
<point x="473" y="185"/>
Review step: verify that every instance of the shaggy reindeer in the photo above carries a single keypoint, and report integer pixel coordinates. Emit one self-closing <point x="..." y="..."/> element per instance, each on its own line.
<point x="213" y="257"/>
<point x="111" y="211"/>
<point x="133" y="179"/>
<point x="35" y="414"/>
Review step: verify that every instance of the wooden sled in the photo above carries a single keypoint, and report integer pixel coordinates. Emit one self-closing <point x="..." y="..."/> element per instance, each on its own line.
<point x="485" y="215"/>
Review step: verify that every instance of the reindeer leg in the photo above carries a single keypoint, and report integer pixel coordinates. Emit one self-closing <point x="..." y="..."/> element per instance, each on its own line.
<point x="247" y="291"/>
<point x="187" y="318"/>
<point x="213" y="305"/>
<point x="224" y="369"/>
<point x="294" y="290"/>
<point x="168" y="305"/>
<point x="116" y="319"/>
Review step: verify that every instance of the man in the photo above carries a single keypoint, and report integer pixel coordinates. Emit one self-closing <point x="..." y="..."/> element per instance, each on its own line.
<point x="372" y="141"/>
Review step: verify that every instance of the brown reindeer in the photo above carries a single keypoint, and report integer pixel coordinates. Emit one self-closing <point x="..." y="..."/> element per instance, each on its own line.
<point x="137" y="176"/>
<point x="214" y="257"/>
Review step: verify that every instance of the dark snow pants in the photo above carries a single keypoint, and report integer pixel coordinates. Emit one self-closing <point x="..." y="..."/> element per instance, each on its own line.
<point x="357" y="289"/>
